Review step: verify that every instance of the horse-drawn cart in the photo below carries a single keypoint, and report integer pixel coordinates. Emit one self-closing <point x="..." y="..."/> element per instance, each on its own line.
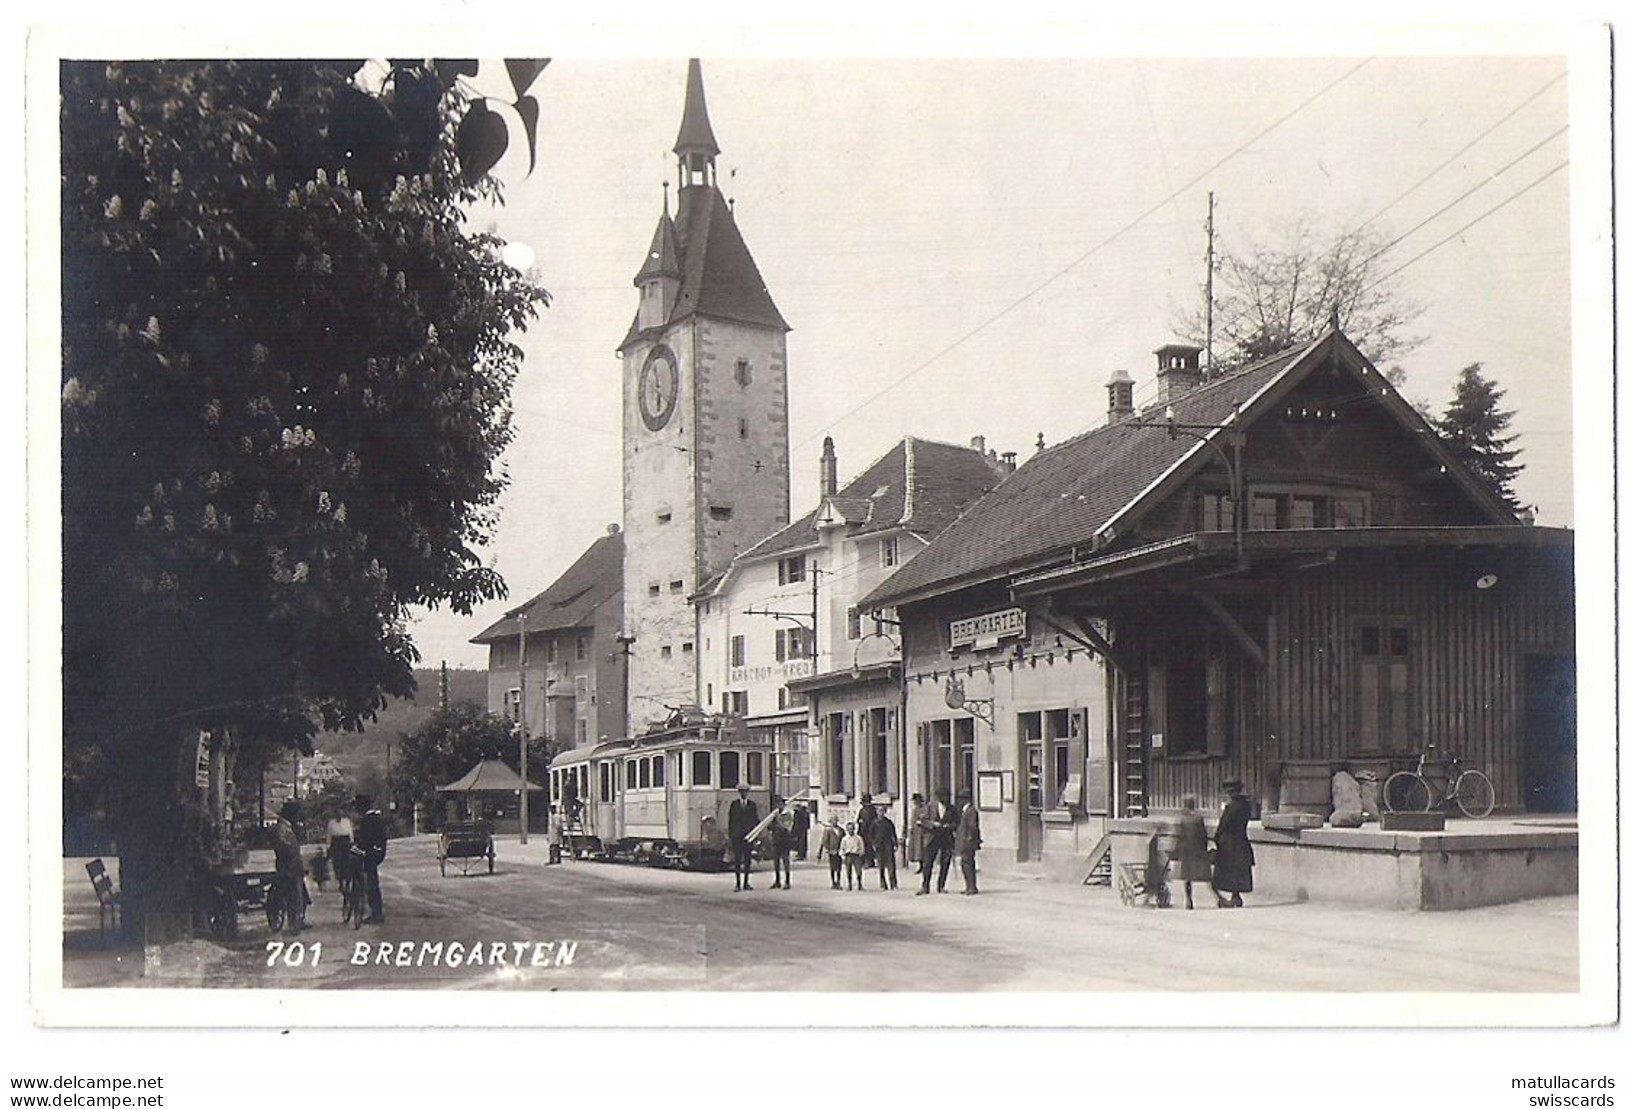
<point x="465" y="842"/>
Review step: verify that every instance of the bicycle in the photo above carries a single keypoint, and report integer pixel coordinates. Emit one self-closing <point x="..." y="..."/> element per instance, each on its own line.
<point x="1409" y="791"/>
<point x="354" y="884"/>
<point x="285" y="904"/>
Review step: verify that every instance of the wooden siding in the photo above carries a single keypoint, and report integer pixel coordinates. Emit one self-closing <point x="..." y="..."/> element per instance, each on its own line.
<point x="1467" y="653"/>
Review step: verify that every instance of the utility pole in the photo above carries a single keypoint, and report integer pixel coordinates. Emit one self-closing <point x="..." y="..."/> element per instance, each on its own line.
<point x="524" y="744"/>
<point x="1207" y="348"/>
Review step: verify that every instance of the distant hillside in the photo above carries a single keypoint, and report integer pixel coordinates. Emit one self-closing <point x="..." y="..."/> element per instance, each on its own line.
<point x="360" y="754"/>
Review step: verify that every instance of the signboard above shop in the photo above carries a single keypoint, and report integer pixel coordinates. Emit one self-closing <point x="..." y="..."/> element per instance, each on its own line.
<point x="988" y="629"/>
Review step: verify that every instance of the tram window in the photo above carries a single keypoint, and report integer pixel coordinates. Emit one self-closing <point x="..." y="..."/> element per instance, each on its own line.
<point x="604" y="793"/>
<point x="644" y="779"/>
<point x="728" y="769"/>
<point x="676" y="768"/>
<point x="702" y="768"/>
<point x="753" y="768"/>
<point x="658" y="767"/>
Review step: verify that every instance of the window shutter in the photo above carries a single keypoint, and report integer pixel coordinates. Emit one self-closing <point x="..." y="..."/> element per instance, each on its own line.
<point x="778" y="644"/>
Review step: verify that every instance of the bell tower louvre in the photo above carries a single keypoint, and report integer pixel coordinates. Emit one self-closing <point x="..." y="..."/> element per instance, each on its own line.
<point x="705" y="419"/>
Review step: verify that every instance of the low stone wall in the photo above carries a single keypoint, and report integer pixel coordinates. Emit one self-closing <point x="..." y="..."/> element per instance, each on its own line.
<point x="1453" y="869"/>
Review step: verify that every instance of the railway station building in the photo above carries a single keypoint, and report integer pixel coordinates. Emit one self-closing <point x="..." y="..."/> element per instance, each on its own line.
<point x="1267" y="575"/>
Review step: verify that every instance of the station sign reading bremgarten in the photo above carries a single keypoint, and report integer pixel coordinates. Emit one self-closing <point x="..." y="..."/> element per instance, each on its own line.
<point x="987" y="629"/>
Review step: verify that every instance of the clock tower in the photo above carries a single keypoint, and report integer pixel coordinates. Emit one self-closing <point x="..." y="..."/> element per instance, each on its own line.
<point x="704" y="420"/>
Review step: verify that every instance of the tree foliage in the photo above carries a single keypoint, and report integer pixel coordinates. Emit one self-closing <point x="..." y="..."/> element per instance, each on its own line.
<point x="1475" y="428"/>
<point x="1280" y="295"/>
<point x="451" y="743"/>
<point x="285" y="388"/>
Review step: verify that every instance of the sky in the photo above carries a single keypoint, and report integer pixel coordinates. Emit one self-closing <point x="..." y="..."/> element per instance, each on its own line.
<point x="968" y="245"/>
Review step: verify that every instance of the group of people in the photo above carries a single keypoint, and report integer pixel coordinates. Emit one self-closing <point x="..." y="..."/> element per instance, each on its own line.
<point x="942" y="830"/>
<point x="355" y="848"/>
<point x="1227" y="867"/>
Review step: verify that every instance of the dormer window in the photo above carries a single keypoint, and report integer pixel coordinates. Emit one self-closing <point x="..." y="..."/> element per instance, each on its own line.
<point x="888" y="551"/>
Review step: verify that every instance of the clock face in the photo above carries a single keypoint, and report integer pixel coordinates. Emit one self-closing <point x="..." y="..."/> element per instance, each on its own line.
<point x="657" y="388"/>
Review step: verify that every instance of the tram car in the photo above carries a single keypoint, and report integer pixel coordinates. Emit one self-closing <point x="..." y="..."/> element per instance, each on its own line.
<point x="660" y="798"/>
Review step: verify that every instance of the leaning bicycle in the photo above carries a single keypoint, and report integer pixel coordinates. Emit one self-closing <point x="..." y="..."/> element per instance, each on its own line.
<point x="1469" y="790"/>
<point x="354" y="886"/>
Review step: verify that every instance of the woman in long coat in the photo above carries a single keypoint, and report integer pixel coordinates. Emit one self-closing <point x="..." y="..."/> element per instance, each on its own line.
<point x="1233" y="865"/>
<point x="1190" y="851"/>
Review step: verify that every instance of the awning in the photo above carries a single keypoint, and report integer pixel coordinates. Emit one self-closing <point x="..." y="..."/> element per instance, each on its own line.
<point x="838" y="679"/>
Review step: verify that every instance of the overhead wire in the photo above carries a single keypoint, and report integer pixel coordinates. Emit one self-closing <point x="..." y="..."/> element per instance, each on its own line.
<point x="1091" y="252"/>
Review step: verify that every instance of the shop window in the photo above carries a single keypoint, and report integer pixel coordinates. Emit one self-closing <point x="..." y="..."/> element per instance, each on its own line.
<point x="1059" y="745"/>
<point x="950" y="755"/>
<point x="837" y="753"/>
<point x="882" y="750"/>
<point x="728" y="769"/>
<point x="1030" y="735"/>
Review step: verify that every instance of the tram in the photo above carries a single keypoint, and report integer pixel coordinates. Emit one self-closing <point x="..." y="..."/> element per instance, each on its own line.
<point x="660" y="798"/>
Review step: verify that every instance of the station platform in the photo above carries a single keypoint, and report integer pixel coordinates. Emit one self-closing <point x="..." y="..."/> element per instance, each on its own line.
<point x="1469" y="864"/>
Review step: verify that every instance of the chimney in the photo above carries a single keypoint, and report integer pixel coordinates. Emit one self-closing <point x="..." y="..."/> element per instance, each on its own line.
<point x="1178" y="371"/>
<point x="978" y="443"/>
<point x="1119" y="397"/>
<point x="827" y="480"/>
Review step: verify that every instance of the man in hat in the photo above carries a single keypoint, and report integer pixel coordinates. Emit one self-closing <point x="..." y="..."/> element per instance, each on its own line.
<point x="939" y="820"/>
<point x="968" y="840"/>
<point x="866" y="827"/>
<point x="371" y="839"/>
<point x="742" y="820"/>
<point x="1233" y="861"/>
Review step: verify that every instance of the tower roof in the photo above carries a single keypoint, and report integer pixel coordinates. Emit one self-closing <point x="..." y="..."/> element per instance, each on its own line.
<point x="695" y="134"/>
<point x="662" y="259"/>
<point x="719" y="276"/>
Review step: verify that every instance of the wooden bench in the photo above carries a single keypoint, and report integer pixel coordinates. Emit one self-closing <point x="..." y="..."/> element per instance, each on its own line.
<point x="108" y="900"/>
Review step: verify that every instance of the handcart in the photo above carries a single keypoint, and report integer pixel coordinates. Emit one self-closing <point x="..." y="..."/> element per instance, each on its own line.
<point x="465" y="842"/>
<point x="1146" y="883"/>
<point x="223" y="895"/>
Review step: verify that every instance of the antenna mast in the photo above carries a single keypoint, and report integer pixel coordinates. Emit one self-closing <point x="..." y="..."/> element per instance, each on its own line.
<point x="1207" y="347"/>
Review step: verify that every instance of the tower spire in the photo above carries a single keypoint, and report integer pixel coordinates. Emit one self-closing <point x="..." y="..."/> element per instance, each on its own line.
<point x="696" y="147"/>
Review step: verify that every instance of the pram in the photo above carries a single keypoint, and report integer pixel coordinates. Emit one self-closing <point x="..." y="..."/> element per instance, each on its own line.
<point x="1146" y="883"/>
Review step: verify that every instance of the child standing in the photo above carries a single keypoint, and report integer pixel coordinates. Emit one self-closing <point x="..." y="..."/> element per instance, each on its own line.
<point x="829" y="843"/>
<point x="852" y="851"/>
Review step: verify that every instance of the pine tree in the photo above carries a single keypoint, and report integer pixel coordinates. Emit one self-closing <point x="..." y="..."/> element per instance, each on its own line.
<point x="1475" y="427"/>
